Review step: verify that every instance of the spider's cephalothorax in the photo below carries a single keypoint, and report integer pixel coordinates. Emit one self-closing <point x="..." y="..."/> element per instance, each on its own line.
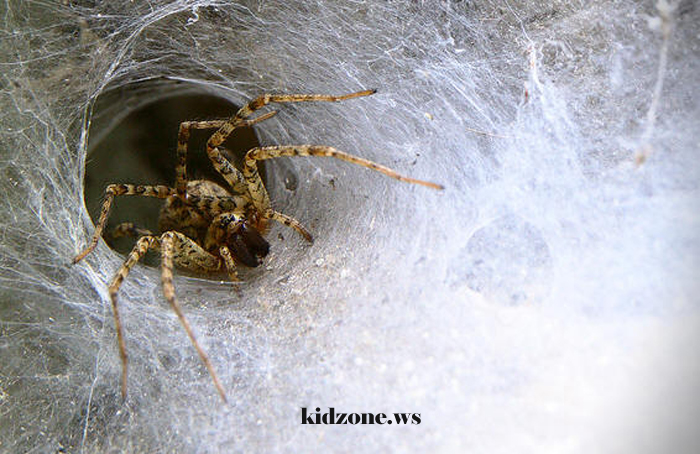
<point x="200" y="217"/>
<point x="208" y="228"/>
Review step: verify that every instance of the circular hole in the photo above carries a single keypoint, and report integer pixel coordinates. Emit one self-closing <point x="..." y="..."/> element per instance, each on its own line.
<point x="139" y="148"/>
<point x="508" y="261"/>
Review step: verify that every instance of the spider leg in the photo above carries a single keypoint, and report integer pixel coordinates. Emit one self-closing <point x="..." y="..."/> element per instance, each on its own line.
<point x="167" y="241"/>
<point x="113" y="190"/>
<point x="290" y="222"/>
<point x="261" y="101"/>
<point x="221" y="164"/>
<point x="257" y="190"/>
<point x="229" y="172"/>
<point x="262" y="153"/>
<point x="139" y="250"/>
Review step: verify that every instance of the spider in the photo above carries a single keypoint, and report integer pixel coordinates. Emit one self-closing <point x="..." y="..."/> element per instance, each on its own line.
<point x="208" y="228"/>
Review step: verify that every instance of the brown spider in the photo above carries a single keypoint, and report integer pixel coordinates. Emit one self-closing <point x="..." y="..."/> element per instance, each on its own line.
<point x="206" y="227"/>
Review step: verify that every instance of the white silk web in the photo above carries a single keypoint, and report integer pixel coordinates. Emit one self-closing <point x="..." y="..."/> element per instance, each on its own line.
<point x="545" y="301"/>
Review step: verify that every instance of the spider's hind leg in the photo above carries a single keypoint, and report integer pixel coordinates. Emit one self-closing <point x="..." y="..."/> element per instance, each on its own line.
<point x="167" y="243"/>
<point x="142" y="246"/>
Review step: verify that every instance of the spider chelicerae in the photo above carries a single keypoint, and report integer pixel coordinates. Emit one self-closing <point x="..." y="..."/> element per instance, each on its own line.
<point x="206" y="227"/>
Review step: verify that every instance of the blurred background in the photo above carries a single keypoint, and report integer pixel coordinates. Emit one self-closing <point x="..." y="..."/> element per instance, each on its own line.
<point x="545" y="301"/>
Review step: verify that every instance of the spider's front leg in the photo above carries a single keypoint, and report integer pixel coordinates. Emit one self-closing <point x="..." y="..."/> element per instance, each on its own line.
<point x="228" y="126"/>
<point x="230" y="174"/>
<point x="289" y="222"/>
<point x="234" y="178"/>
<point x="260" y="197"/>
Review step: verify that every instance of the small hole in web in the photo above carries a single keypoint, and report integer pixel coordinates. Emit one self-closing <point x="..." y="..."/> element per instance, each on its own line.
<point x="139" y="148"/>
